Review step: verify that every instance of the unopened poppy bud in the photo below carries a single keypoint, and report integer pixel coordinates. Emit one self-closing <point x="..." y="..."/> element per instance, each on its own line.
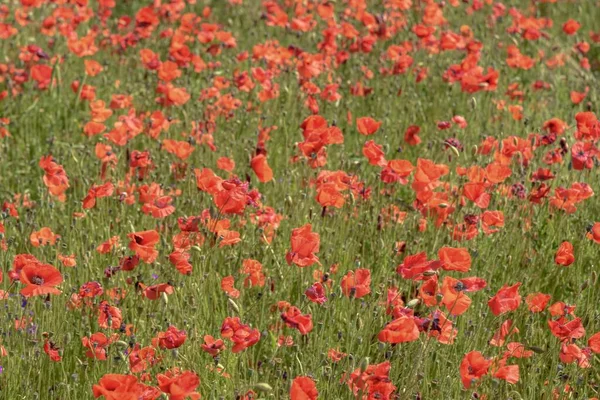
<point x="413" y="303"/>
<point x="475" y="149"/>
<point x="473" y="103"/>
<point x="536" y="349"/>
<point x="196" y="248"/>
<point x="584" y="285"/>
<point x="430" y="273"/>
<point x="233" y="305"/>
<point x="443" y="205"/>
<point x="454" y="149"/>
<point x="263" y="387"/>
<point x="594" y="277"/>
<point x="164" y="297"/>
<point x="122" y="344"/>
<point x="364" y="363"/>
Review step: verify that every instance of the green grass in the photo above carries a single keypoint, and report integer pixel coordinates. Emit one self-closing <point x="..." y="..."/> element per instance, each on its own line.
<point x="51" y="122"/>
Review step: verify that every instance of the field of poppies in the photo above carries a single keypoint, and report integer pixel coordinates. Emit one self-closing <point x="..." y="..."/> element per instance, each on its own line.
<point x="299" y="199"/>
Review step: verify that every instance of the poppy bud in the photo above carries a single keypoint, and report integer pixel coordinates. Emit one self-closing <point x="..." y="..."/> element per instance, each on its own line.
<point x="263" y="387"/>
<point x="359" y="323"/>
<point x="364" y="363"/>
<point x="584" y="285"/>
<point x="473" y="103"/>
<point x="535" y="349"/>
<point x="233" y="305"/>
<point x="413" y="303"/>
<point x="288" y="201"/>
<point x="453" y="148"/>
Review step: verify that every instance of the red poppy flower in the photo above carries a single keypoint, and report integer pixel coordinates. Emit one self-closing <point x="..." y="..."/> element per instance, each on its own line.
<point x="43" y="237"/>
<point x="564" y="255"/>
<point x="261" y="168"/>
<point x="179" y="385"/>
<point x="367" y="125"/>
<point x="508" y="373"/>
<point x="571" y="27"/>
<point x="294" y="318"/>
<point x="40" y="279"/>
<point x="142" y="243"/>
<point x="594" y="233"/>
<point x="411" y="135"/>
<point x="401" y="330"/>
<point x="373" y="381"/>
<point x="52" y="350"/>
<point x="123" y="387"/>
<point x="227" y="284"/>
<point x="537" y="302"/>
<point x="243" y="336"/>
<point x="316" y="293"/>
<point x="253" y="269"/>
<point x="374" y="153"/>
<point x="414" y="266"/>
<point x="455" y="259"/>
<point x="305" y="243"/>
<point x="594" y="343"/>
<point x="397" y="171"/>
<point x="142" y="359"/>
<point x="212" y="346"/>
<point x="473" y="367"/>
<point x="109" y="316"/>
<point x="455" y="301"/>
<point x="107" y="246"/>
<point x="500" y="335"/>
<point x="303" y="388"/>
<point x="153" y="292"/>
<point x="172" y="338"/>
<point x="565" y="329"/>
<point x="96" y="345"/>
<point x="507" y="299"/>
<point x="356" y="283"/>
<point x="97" y="192"/>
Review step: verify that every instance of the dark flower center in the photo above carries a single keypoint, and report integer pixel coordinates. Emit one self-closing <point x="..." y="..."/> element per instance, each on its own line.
<point x="36" y="280"/>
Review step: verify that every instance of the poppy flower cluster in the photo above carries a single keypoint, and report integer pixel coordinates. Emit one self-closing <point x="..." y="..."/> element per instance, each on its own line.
<point x="299" y="199"/>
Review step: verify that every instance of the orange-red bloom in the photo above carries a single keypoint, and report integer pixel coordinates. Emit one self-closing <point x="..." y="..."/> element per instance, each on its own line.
<point x="507" y="299"/>
<point x="305" y="243"/>
<point x="303" y="388"/>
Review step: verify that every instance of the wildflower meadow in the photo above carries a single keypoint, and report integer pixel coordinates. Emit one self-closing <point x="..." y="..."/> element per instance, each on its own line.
<point x="299" y="199"/>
